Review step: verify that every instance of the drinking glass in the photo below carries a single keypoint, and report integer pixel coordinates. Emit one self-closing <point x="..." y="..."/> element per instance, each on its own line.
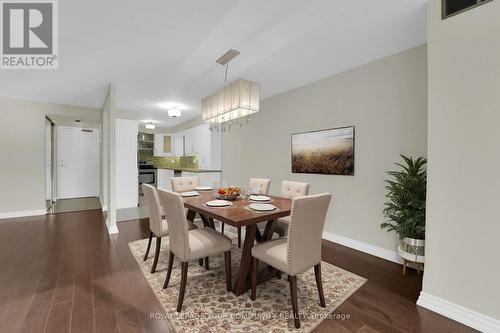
<point x="245" y="192"/>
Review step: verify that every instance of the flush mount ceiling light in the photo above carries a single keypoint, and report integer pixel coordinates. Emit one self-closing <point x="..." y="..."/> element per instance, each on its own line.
<point x="174" y="113"/>
<point x="236" y="100"/>
<point x="150" y="124"/>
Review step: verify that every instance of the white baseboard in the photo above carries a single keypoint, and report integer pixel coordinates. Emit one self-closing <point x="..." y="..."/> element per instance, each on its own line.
<point x="459" y="313"/>
<point x="10" y="215"/>
<point x="363" y="247"/>
<point x="112" y="228"/>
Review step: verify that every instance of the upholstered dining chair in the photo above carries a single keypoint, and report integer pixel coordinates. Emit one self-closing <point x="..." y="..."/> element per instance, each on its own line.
<point x="157" y="225"/>
<point x="188" y="245"/>
<point x="290" y="190"/>
<point x="260" y="186"/>
<point x="300" y="250"/>
<point x="182" y="184"/>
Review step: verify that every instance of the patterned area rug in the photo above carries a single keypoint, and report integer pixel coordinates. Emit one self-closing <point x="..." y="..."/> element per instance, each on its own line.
<point x="208" y="307"/>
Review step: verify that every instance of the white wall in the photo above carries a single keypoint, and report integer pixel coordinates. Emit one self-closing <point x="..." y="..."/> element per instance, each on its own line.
<point x="387" y="103"/>
<point x="22" y="151"/>
<point x="463" y="223"/>
<point x="127" y="194"/>
<point x="216" y="150"/>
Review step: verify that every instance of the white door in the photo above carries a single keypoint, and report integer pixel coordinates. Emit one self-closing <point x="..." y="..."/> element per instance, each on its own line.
<point x="77" y="162"/>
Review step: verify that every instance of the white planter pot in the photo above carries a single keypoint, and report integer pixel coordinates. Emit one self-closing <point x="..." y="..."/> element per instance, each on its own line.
<point x="412" y="249"/>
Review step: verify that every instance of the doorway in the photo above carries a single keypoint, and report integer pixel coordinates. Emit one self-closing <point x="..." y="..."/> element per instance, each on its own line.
<point x="75" y="166"/>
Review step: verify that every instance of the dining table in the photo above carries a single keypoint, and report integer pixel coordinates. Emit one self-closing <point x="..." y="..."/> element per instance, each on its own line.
<point x="240" y="215"/>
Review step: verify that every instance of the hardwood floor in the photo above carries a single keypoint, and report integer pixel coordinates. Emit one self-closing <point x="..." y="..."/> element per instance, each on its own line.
<point x="62" y="273"/>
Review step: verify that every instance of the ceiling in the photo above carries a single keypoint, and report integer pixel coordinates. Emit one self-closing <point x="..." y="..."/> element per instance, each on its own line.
<point x="164" y="51"/>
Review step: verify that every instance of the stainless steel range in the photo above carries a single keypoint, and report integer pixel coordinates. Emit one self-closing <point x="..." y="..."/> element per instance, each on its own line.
<point x="147" y="175"/>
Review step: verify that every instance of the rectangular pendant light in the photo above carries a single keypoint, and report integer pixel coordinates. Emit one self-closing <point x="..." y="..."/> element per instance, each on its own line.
<point x="240" y="98"/>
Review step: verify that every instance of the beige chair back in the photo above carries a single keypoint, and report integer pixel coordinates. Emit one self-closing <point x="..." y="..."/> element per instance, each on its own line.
<point x="154" y="209"/>
<point x="305" y="231"/>
<point x="293" y="190"/>
<point x="177" y="224"/>
<point x="182" y="184"/>
<point x="260" y="183"/>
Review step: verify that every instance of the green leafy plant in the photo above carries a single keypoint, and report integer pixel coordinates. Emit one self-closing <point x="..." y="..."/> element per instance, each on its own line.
<point x="406" y="193"/>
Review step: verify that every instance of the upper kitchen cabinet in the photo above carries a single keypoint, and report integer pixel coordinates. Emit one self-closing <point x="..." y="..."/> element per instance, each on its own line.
<point x="199" y="141"/>
<point x="164" y="145"/>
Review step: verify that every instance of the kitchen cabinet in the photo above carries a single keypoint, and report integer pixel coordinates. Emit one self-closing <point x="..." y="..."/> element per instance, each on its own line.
<point x="164" y="177"/>
<point x="204" y="178"/>
<point x="201" y="142"/>
<point x="159" y="148"/>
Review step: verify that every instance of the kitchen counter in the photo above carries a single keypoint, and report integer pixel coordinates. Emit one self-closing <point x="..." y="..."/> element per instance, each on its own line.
<point x="189" y="170"/>
<point x="206" y="177"/>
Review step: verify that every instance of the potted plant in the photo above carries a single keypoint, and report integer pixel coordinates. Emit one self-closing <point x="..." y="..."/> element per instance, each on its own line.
<point x="406" y="192"/>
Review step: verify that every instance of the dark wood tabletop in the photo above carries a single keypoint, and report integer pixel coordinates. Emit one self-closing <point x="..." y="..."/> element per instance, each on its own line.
<point x="239" y="214"/>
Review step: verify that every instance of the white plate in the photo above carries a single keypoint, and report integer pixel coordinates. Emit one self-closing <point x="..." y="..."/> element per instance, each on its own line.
<point x="262" y="207"/>
<point x="203" y="188"/>
<point x="219" y="203"/>
<point x="259" y="198"/>
<point x="189" y="194"/>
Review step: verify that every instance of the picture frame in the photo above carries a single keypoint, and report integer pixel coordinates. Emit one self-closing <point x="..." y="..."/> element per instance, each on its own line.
<point x="326" y="151"/>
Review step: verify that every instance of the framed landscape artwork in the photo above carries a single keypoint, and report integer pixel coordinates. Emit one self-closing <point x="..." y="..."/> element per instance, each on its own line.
<point x="328" y="151"/>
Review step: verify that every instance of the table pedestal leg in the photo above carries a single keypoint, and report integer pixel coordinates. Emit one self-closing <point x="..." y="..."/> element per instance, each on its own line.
<point x="190" y="215"/>
<point x="268" y="232"/>
<point x="208" y="221"/>
<point x="240" y="285"/>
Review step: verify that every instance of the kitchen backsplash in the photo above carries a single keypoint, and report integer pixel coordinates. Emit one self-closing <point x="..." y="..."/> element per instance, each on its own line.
<point x="172" y="162"/>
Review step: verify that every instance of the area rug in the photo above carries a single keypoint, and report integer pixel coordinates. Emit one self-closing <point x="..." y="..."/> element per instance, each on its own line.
<point x="208" y="307"/>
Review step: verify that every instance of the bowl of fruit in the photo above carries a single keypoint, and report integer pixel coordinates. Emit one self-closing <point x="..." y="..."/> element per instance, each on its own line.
<point x="228" y="193"/>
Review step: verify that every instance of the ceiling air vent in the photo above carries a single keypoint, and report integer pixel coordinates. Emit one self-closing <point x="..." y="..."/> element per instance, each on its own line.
<point x="454" y="7"/>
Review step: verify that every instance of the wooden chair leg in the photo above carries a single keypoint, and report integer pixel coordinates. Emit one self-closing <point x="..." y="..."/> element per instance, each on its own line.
<point x="239" y="238"/>
<point x="319" y="284"/>
<point x="293" y="294"/>
<point x="169" y="268"/>
<point x="222" y="227"/>
<point x="207" y="264"/>
<point x="149" y="246"/>
<point x="182" y="290"/>
<point x="227" y="259"/>
<point x="200" y="261"/>
<point x="255" y="270"/>
<point x="157" y="254"/>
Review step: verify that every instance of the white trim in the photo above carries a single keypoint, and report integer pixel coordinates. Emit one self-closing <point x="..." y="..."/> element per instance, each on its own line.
<point x="363" y="247"/>
<point x="112" y="228"/>
<point x="10" y="215"/>
<point x="459" y="313"/>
